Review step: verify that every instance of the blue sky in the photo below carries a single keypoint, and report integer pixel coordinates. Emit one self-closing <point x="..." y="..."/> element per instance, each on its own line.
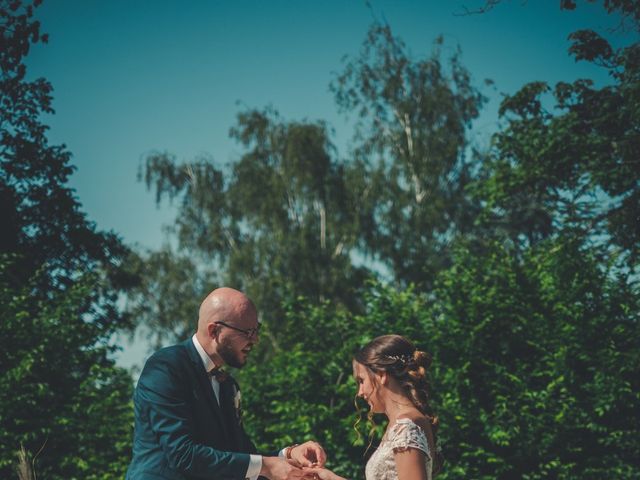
<point x="131" y="77"/>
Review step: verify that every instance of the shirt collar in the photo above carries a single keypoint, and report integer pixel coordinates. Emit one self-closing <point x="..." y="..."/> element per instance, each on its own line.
<point x="204" y="356"/>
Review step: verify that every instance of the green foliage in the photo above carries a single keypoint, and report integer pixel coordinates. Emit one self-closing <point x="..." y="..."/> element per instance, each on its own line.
<point x="169" y="293"/>
<point x="58" y="389"/>
<point x="536" y="371"/>
<point x="538" y="364"/>
<point x="413" y="119"/>
<point x="304" y="388"/>
<point x="60" y="279"/>
<point x="44" y="221"/>
<point x="521" y="273"/>
<point x="532" y="318"/>
<point x="284" y="218"/>
<point x="573" y="167"/>
<point x="290" y="216"/>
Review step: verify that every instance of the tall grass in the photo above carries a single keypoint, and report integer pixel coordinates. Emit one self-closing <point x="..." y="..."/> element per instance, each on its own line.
<point x="25" y="468"/>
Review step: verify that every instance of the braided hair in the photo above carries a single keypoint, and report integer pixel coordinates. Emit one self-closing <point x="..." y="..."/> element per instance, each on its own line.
<point x="399" y="358"/>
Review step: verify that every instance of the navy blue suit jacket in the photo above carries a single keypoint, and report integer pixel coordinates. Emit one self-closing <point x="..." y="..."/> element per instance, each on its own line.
<point x="180" y="430"/>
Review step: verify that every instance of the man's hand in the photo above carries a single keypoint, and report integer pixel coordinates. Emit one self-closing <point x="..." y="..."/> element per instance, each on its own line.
<point x="308" y="454"/>
<point x="276" y="468"/>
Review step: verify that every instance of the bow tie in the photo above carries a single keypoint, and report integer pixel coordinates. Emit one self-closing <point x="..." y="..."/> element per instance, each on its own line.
<point x="218" y="373"/>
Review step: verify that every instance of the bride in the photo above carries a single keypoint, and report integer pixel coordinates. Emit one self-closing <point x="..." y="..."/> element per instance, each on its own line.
<point x="391" y="377"/>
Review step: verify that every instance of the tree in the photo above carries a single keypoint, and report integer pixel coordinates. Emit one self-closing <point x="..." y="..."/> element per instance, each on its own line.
<point x="60" y="394"/>
<point x="282" y="220"/>
<point x="411" y="139"/>
<point x="537" y="363"/>
<point x="60" y="279"/>
<point x="542" y="321"/>
<point x="535" y="373"/>
<point x="518" y="288"/>
<point x="45" y="217"/>
<point x="572" y="167"/>
<point x="291" y="218"/>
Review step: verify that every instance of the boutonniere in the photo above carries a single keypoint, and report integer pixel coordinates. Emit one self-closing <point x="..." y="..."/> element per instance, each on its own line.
<point x="237" y="403"/>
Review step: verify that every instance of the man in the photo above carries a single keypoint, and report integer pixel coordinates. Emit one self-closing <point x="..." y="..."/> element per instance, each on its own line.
<point x="187" y="415"/>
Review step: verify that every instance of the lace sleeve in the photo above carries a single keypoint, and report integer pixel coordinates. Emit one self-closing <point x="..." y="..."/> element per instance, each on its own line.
<point x="407" y="434"/>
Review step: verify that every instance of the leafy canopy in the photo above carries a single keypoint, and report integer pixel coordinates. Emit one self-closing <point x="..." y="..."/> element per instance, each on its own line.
<point x="60" y="279"/>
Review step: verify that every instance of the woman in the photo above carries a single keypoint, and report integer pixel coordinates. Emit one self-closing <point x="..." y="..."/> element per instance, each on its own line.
<point x="391" y="377"/>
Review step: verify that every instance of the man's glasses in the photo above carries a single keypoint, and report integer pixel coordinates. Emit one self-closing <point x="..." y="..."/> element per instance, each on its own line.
<point x="250" y="333"/>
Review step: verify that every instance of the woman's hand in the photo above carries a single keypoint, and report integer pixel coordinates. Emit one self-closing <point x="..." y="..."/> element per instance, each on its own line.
<point x="322" y="474"/>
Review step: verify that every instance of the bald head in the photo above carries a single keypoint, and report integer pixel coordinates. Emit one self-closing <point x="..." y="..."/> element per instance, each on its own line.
<point x="227" y="326"/>
<point x="225" y="305"/>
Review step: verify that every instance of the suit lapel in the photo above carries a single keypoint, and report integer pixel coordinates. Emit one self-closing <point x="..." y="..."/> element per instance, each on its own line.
<point x="229" y="411"/>
<point x="205" y="386"/>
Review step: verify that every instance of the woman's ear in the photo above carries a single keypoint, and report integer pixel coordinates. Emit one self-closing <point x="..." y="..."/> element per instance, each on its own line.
<point x="383" y="378"/>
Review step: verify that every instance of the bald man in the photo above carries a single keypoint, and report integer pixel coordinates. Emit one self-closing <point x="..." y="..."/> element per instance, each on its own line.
<point x="187" y="417"/>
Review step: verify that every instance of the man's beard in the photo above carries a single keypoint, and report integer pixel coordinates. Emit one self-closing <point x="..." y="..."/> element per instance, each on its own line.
<point x="228" y="355"/>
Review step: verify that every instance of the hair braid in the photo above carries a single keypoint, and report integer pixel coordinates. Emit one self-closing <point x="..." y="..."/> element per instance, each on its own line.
<point x="399" y="358"/>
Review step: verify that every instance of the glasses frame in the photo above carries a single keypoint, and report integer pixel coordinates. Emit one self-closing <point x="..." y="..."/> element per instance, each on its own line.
<point x="250" y="333"/>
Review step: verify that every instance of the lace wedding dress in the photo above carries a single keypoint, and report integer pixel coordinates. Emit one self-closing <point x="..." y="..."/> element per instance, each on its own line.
<point x="404" y="434"/>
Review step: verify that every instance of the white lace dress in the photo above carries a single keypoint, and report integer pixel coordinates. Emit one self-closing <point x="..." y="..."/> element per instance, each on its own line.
<point x="404" y="434"/>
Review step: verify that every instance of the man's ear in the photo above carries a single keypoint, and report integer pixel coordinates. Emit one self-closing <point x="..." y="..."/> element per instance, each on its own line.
<point x="213" y="331"/>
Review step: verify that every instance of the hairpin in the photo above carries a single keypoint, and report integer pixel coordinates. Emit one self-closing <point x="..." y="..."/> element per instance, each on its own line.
<point x="406" y="359"/>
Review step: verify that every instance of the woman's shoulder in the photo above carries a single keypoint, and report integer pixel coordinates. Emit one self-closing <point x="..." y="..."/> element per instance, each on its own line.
<point x="410" y="432"/>
<point x="412" y="421"/>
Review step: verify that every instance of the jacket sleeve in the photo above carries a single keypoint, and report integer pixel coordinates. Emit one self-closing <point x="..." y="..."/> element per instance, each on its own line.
<point x="161" y="390"/>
